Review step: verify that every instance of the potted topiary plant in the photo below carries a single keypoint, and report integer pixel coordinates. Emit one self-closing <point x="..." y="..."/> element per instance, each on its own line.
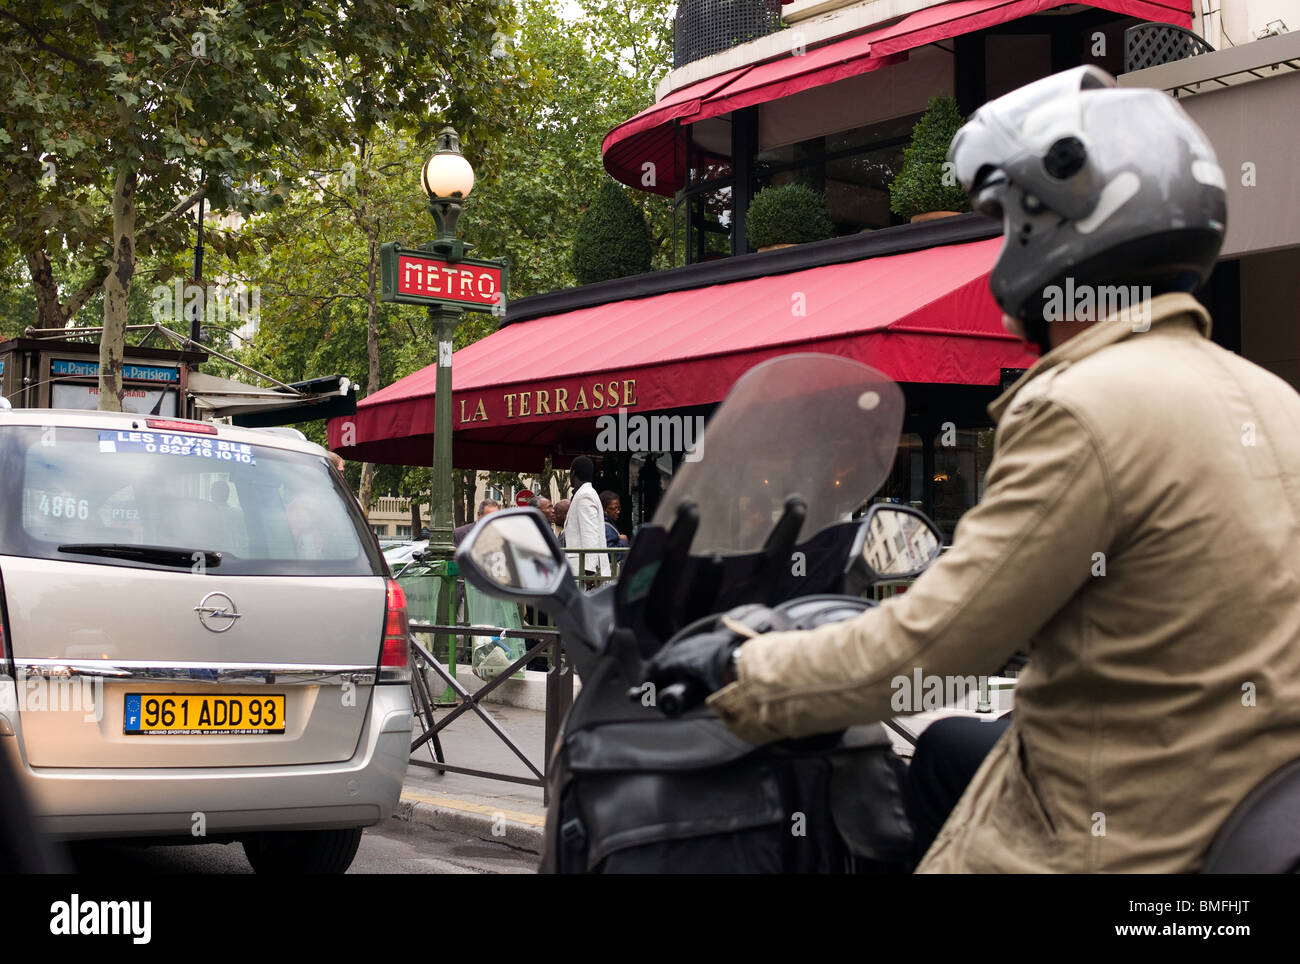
<point x="779" y="217"/>
<point x="613" y="239"/>
<point x="924" y="188"/>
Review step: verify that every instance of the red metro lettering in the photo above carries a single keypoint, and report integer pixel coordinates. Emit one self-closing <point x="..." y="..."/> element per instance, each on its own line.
<point x="460" y="282"/>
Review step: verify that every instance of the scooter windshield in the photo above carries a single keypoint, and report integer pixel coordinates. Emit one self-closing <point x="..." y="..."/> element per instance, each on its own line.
<point x="821" y="427"/>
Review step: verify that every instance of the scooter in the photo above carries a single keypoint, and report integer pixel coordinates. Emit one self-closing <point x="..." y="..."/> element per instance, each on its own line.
<point x="756" y="532"/>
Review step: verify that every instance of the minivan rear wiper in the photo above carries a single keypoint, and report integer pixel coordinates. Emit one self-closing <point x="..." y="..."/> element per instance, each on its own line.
<point x="159" y="555"/>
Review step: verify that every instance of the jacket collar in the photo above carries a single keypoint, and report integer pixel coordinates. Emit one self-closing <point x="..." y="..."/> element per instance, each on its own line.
<point x="1115" y="328"/>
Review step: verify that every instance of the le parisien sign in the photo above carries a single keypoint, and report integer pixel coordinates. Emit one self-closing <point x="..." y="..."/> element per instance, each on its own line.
<point x="410" y="276"/>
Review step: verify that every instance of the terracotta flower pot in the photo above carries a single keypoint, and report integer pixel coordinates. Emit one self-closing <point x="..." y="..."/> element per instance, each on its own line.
<point x="933" y="215"/>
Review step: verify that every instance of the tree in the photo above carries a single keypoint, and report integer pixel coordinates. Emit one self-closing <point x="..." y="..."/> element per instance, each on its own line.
<point x="563" y="83"/>
<point x="139" y="110"/>
<point x="789" y="214"/>
<point x="924" y="184"/>
<point x="613" y="240"/>
<point x="585" y="67"/>
<point x="317" y="271"/>
<point x="319" y="259"/>
<point x="18" y="304"/>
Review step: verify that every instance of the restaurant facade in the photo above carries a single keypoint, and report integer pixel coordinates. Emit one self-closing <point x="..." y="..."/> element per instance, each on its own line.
<point x="826" y="93"/>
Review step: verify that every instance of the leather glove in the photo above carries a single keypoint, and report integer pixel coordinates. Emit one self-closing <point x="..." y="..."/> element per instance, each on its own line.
<point x="702" y="659"/>
<point x="687" y="670"/>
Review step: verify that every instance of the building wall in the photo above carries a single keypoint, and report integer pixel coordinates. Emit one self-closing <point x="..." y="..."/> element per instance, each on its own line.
<point x="388" y="513"/>
<point x="1254" y="126"/>
<point x="1254" y="129"/>
<point x="1231" y="23"/>
<point x="1270" y="312"/>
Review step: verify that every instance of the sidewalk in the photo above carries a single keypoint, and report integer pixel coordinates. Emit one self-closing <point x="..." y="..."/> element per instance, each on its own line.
<point x="495" y="810"/>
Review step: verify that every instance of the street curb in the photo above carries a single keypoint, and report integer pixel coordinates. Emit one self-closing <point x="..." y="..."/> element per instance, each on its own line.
<point x="523" y="831"/>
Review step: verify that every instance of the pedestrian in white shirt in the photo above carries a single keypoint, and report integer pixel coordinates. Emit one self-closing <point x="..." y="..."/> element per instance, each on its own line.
<point x="584" y="527"/>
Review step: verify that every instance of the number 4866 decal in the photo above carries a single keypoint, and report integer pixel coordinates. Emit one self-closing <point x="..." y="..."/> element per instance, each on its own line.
<point x="64" y="507"/>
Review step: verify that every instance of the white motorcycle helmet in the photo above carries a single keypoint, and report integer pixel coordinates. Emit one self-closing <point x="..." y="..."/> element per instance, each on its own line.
<point x="1094" y="183"/>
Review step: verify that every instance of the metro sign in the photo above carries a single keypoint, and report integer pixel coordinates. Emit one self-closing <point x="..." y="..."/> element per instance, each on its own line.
<point x="413" y="277"/>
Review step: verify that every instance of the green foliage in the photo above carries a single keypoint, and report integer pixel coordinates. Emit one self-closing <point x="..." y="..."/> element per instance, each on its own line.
<point x="583" y="67"/>
<point x="224" y="98"/>
<point x="532" y="88"/>
<point x="788" y="214"/>
<point x="920" y="186"/>
<point x="613" y="240"/>
<point x="17" y="303"/>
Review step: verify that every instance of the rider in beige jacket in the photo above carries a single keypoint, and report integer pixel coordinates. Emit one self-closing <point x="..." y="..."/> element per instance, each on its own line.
<point x="1139" y="533"/>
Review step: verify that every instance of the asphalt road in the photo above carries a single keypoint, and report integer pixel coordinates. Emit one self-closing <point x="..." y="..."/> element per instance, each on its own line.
<point x="395" y="847"/>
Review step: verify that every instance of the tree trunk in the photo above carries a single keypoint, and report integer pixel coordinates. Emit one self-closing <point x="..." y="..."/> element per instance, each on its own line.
<point x="373" y="375"/>
<point x="367" y="493"/>
<point x="458" y="497"/>
<point x="49" y="313"/>
<point x="415" y="517"/>
<point x="117" y="292"/>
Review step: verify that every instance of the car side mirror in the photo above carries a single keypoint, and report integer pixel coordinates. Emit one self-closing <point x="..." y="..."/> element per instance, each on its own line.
<point x="897" y="542"/>
<point x="513" y="554"/>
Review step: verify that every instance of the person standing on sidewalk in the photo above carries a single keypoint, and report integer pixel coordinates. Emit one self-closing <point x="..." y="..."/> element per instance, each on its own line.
<point x="613" y="509"/>
<point x="561" y="515"/>
<point x="486" y="507"/>
<point x="584" y="526"/>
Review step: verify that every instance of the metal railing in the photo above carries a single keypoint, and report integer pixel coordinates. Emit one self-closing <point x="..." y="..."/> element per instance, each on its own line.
<point x="1152" y="44"/>
<point x="705" y="27"/>
<point x="617" y="557"/>
<point x="559" y="683"/>
<point x="559" y="697"/>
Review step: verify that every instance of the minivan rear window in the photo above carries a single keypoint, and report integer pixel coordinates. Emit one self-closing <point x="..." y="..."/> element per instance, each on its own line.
<point x="87" y="495"/>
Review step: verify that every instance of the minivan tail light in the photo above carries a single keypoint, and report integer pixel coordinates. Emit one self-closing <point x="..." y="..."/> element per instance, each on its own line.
<point x="395" y="654"/>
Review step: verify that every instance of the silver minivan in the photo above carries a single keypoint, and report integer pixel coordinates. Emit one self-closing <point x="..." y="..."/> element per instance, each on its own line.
<point x="198" y="638"/>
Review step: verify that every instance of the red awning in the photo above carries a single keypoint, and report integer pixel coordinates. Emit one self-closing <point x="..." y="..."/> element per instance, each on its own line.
<point x="641" y="140"/>
<point x="654" y="136"/>
<point x="923" y="316"/>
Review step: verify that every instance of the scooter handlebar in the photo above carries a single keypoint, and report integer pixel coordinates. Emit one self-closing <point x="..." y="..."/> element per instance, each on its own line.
<point x="676" y="698"/>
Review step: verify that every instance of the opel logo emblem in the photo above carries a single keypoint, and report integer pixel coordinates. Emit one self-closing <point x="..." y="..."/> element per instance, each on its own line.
<point x="217" y="612"/>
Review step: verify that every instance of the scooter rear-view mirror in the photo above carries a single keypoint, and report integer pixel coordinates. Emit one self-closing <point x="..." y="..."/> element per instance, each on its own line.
<point x="512" y="553"/>
<point x="897" y="542"/>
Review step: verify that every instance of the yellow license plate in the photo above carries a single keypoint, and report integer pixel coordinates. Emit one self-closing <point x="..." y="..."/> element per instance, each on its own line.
<point x="189" y="714"/>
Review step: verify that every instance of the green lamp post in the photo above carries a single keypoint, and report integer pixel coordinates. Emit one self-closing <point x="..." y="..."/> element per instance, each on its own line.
<point x="426" y="276"/>
<point x="446" y="180"/>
